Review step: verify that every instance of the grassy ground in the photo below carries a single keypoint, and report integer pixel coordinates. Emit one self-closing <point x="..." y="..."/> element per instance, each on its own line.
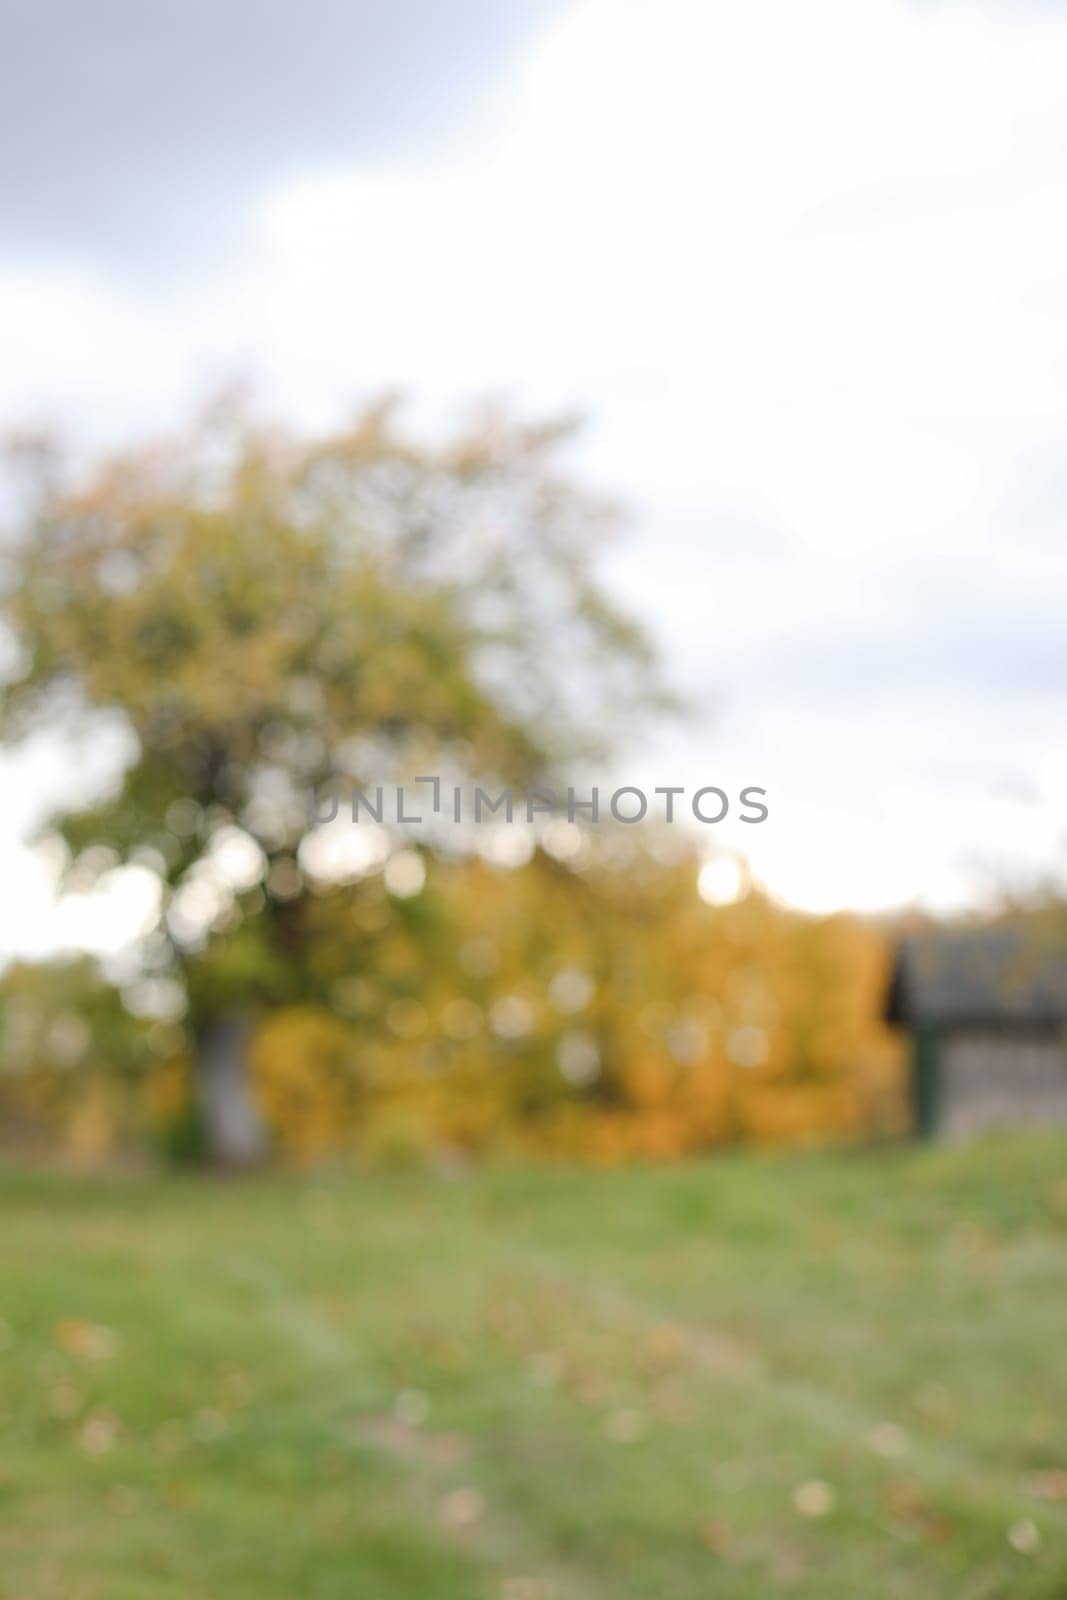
<point x="817" y="1377"/>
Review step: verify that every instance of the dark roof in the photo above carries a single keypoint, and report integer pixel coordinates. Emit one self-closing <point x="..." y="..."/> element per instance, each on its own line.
<point x="987" y="976"/>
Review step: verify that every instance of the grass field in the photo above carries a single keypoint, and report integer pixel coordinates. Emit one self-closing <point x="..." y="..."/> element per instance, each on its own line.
<point x="822" y="1377"/>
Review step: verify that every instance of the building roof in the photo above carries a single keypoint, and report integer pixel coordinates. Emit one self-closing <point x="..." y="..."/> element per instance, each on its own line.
<point x="982" y="977"/>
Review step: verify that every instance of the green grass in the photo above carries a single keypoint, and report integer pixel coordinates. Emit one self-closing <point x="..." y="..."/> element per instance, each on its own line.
<point x="541" y="1385"/>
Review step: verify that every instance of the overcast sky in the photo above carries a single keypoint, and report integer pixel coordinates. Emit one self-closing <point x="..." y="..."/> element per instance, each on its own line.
<point x="804" y="268"/>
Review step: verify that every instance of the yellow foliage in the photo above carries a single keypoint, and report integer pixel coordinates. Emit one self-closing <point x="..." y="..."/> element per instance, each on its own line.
<point x="301" y="1063"/>
<point x="94" y="1120"/>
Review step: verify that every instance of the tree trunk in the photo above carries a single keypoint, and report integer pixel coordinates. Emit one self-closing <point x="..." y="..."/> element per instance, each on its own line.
<point x="234" y="1134"/>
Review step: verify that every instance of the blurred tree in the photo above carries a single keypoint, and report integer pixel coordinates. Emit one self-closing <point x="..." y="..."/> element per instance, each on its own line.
<point x="593" y="1006"/>
<point x="261" y="611"/>
<point x="69" y="1055"/>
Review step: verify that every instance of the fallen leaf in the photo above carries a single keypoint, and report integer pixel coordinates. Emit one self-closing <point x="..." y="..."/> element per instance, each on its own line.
<point x="461" y="1507"/>
<point x="814" y="1498"/>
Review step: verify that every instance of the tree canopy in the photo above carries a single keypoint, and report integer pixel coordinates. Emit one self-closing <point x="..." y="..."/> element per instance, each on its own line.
<point x="261" y="611"/>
